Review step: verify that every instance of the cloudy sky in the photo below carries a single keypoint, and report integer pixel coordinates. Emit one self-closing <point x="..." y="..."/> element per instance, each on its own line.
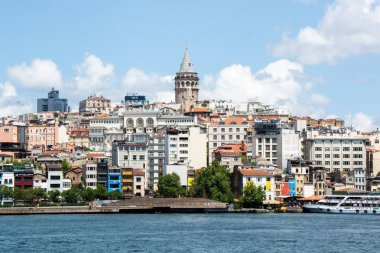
<point x="314" y="57"/>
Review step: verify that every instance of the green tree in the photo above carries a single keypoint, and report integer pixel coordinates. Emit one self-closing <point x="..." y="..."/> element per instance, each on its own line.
<point x="253" y="196"/>
<point x="54" y="196"/>
<point x="39" y="193"/>
<point x="101" y="192"/>
<point x="6" y="192"/>
<point x="66" y="166"/>
<point x="72" y="195"/>
<point x="116" y="195"/>
<point x="213" y="182"/>
<point x="169" y="186"/>
<point x="88" y="194"/>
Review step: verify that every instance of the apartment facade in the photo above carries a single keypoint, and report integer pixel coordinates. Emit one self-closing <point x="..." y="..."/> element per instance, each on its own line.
<point x="228" y="131"/>
<point x="336" y="152"/>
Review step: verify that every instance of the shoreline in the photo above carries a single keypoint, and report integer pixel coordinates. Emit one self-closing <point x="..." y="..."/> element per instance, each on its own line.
<point x="116" y="210"/>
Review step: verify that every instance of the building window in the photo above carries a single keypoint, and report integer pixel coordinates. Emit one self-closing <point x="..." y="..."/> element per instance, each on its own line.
<point x="134" y="157"/>
<point x="125" y="157"/>
<point x="318" y="148"/>
<point x="142" y="157"/>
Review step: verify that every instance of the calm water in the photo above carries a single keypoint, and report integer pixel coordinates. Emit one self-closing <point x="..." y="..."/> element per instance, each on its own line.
<point x="190" y="233"/>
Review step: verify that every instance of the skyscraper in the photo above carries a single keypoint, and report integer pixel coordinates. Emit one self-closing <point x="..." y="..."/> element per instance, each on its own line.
<point x="52" y="103"/>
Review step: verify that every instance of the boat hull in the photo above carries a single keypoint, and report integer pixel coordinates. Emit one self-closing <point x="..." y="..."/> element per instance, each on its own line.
<point x="315" y="208"/>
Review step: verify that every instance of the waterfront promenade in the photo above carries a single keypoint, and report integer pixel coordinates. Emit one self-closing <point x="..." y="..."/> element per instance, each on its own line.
<point x="134" y="205"/>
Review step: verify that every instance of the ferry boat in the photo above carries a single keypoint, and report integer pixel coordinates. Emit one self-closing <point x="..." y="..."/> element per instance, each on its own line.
<point x="349" y="204"/>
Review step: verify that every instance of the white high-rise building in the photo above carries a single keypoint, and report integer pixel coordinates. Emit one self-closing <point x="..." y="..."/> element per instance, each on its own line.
<point x="339" y="151"/>
<point x="186" y="145"/>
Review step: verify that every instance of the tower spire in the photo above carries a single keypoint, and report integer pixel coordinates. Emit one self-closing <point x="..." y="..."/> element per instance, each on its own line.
<point x="186" y="65"/>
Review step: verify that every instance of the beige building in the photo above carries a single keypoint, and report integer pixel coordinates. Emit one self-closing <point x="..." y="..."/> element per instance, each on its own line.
<point x="95" y="104"/>
<point x="232" y="130"/>
<point x="42" y="135"/>
<point x="80" y="138"/>
<point x="138" y="183"/>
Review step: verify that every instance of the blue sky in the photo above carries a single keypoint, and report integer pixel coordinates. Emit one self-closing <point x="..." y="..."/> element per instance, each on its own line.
<point x="316" y="58"/>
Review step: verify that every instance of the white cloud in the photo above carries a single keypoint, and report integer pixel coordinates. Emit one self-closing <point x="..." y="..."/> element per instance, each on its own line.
<point x="93" y="75"/>
<point x="10" y="102"/>
<point x="156" y="87"/>
<point x="40" y="73"/>
<point x="361" y="121"/>
<point x="280" y="83"/>
<point x="347" y="28"/>
<point x="319" y="99"/>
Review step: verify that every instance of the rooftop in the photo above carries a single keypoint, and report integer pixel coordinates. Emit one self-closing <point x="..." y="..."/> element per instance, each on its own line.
<point x="254" y="173"/>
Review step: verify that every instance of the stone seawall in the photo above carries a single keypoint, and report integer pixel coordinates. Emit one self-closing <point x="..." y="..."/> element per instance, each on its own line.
<point x="56" y="210"/>
<point x="137" y="205"/>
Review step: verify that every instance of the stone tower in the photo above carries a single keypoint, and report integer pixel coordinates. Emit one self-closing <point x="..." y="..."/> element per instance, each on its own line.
<point x="186" y="84"/>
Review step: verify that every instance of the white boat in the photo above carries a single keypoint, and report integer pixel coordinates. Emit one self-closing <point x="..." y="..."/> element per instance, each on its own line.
<point x="353" y="204"/>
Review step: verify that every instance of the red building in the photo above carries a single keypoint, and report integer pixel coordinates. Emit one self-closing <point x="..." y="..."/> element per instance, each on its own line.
<point x="23" y="177"/>
<point x="285" y="189"/>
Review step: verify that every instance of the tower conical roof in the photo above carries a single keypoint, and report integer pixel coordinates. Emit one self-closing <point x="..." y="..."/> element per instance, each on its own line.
<point x="186" y="65"/>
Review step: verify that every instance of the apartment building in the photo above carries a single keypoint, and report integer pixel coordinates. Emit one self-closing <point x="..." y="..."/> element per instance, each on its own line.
<point x="339" y="151"/>
<point x="156" y="156"/>
<point x="103" y="130"/>
<point x="95" y="104"/>
<point x="89" y="175"/>
<point x="232" y="130"/>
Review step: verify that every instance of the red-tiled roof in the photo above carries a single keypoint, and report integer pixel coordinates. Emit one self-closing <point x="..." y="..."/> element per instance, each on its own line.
<point x="200" y="109"/>
<point x="83" y="132"/>
<point x="95" y="155"/>
<point x="229" y="153"/>
<point x="254" y="173"/>
<point x="137" y="172"/>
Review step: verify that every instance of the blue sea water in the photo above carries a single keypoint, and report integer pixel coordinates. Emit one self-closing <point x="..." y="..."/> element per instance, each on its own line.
<point x="190" y="233"/>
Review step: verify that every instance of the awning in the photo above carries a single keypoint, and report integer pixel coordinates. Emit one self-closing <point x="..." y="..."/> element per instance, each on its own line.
<point x="311" y="198"/>
<point x="271" y="202"/>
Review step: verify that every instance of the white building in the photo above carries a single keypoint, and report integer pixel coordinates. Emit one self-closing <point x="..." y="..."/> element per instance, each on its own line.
<point x="288" y="146"/>
<point x="89" y="175"/>
<point x="39" y="181"/>
<point x="180" y="169"/>
<point x="176" y="121"/>
<point x="360" y="180"/>
<point x="54" y="178"/>
<point x="336" y="151"/>
<point x="66" y="184"/>
<point x="156" y="156"/>
<point x="103" y="131"/>
<point x="130" y="154"/>
<point x="8" y="179"/>
<point x="259" y="178"/>
<point x="264" y="140"/>
<point x="140" y="121"/>
<point x="186" y="145"/>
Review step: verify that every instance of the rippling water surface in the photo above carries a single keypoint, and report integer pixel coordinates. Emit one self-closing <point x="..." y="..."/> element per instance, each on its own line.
<point x="190" y="233"/>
